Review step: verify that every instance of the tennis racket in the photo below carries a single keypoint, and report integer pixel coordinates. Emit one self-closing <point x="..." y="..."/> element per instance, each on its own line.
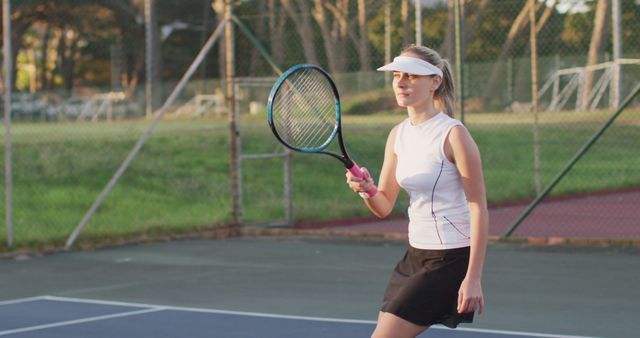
<point x="304" y="114"/>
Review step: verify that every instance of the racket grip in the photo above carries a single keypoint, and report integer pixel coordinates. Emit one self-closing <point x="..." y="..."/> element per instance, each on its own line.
<point x="357" y="172"/>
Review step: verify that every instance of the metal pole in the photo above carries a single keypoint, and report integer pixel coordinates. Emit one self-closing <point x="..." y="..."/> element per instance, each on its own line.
<point x="203" y="35"/>
<point x="256" y="43"/>
<point x="418" y="22"/>
<point x="534" y="94"/>
<point x="617" y="54"/>
<point x="8" y="70"/>
<point x="136" y="149"/>
<point x="458" y="29"/>
<point x="234" y="132"/>
<point x="148" y="17"/>
<point x="387" y="39"/>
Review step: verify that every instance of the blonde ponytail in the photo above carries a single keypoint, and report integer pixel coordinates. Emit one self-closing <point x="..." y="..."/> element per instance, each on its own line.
<point x="444" y="96"/>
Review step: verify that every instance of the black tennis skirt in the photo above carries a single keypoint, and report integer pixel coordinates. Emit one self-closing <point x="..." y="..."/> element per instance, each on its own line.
<point x="423" y="288"/>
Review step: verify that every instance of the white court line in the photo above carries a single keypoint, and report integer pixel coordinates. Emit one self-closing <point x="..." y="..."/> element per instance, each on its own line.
<point x="515" y="333"/>
<point x="214" y="311"/>
<point x="80" y="321"/>
<point x="321" y="319"/>
<point x="21" y="300"/>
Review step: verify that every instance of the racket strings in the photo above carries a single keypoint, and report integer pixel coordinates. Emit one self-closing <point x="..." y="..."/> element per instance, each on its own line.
<point x="317" y="105"/>
<point x="314" y="119"/>
<point x="316" y="133"/>
<point x="308" y="131"/>
<point x="305" y="113"/>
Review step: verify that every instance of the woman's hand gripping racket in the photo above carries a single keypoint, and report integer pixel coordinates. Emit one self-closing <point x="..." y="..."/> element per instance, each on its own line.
<point x="304" y="114"/>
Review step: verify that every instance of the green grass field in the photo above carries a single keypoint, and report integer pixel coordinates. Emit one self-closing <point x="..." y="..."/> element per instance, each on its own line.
<point x="180" y="180"/>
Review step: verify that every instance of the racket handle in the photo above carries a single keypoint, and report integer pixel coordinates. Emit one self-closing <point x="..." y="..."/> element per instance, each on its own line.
<point x="357" y="172"/>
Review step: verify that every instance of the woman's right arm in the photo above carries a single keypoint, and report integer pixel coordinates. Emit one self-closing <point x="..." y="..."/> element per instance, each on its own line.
<point x="381" y="204"/>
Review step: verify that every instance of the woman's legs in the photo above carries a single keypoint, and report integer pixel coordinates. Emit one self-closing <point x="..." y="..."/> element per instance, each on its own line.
<point x="392" y="326"/>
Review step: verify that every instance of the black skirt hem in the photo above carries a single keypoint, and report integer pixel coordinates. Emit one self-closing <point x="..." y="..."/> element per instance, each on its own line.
<point x="451" y="320"/>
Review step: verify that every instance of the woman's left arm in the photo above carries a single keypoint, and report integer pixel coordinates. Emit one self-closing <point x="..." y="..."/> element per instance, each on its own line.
<point x="463" y="151"/>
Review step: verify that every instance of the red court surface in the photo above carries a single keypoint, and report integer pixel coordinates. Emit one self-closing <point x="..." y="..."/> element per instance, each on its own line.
<point x="603" y="217"/>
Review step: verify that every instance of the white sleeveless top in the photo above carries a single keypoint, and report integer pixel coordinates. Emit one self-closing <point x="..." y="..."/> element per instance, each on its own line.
<point x="438" y="209"/>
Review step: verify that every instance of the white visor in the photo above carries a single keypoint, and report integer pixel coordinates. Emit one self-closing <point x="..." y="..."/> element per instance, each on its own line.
<point x="411" y="65"/>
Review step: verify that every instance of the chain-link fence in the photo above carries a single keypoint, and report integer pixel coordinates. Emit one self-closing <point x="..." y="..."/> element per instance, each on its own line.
<point x="85" y="92"/>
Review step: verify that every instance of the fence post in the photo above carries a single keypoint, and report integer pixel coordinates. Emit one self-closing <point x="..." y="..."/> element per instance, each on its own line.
<point x="8" y="70"/>
<point x="387" y="39"/>
<point x="234" y="133"/>
<point x="418" y="22"/>
<point x="459" y="56"/>
<point x="534" y="96"/>
<point x="149" y="57"/>
<point x="617" y="54"/>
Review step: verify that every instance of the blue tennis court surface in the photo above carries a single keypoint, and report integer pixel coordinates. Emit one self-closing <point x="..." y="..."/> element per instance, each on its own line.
<point x="51" y="317"/>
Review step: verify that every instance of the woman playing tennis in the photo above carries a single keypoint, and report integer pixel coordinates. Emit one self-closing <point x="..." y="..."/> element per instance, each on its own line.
<point x="433" y="157"/>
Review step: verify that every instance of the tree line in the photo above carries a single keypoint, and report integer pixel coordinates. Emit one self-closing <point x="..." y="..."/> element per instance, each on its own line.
<point x="64" y="44"/>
